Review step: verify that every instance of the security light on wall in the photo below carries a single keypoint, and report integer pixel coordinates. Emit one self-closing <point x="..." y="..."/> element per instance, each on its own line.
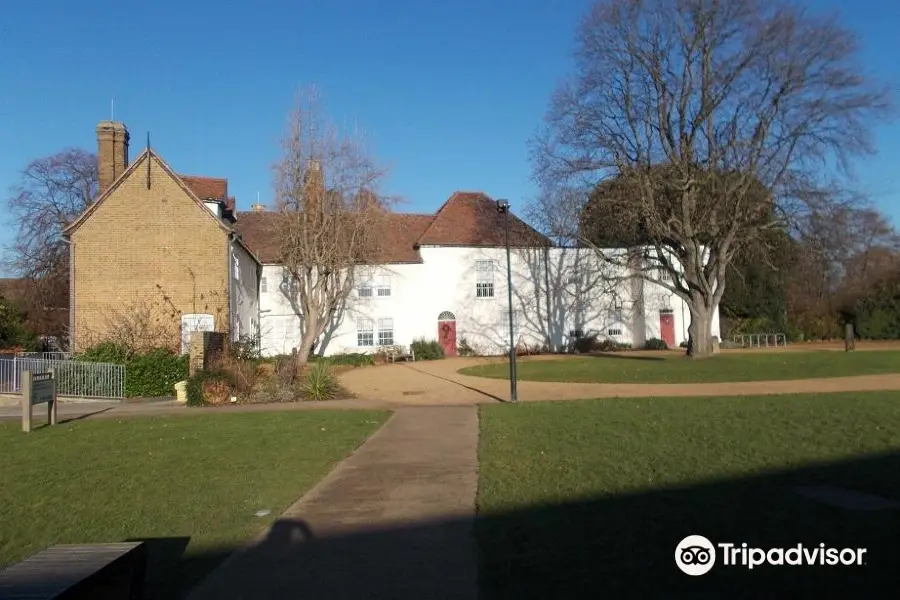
<point x="502" y="206"/>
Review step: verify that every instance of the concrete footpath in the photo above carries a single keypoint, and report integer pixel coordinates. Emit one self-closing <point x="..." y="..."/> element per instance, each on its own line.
<point x="393" y="520"/>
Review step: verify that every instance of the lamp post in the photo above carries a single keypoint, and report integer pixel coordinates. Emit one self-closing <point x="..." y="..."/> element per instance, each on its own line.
<point x="503" y="208"/>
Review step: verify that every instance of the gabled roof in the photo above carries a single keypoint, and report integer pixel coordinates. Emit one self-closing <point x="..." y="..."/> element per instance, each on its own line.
<point x="147" y="154"/>
<point x="472" y="219"/>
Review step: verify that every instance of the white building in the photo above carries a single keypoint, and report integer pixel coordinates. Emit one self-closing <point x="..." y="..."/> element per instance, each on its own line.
<point x="444" y="278"/>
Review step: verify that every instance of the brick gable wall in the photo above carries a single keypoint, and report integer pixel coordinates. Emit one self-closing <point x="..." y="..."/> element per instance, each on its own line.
<point x="147" y="253"/>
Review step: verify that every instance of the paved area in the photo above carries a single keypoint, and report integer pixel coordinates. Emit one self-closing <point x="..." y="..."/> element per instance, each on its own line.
<point x="391" y="521"/>
<point x="439" y="383"/>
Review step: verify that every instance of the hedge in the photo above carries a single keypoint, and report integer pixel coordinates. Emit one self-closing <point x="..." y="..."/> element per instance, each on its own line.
<point x="150" y="375"/>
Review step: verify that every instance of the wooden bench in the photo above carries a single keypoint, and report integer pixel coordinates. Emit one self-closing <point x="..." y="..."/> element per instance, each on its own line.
<point x="78" y="572"/>
<point x="394" y="353"/>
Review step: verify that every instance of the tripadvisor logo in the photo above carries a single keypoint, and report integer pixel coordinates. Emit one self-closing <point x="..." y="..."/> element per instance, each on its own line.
<point x="696" y="555"/>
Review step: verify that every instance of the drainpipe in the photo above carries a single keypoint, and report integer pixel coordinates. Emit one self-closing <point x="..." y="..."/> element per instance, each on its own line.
<point x="229" y="250"/>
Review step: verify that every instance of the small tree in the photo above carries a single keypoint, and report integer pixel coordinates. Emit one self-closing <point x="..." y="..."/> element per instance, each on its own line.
<point x="719" y="118"/>
<point x="331" y="219"/>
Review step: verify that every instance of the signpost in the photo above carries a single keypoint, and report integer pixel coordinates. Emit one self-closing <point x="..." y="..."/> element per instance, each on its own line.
<point x="38" y="388"/>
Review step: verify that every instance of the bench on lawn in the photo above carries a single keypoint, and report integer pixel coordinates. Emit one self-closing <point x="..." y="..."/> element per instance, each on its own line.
<point x="78" y="572"/>
<point x="395" y="353"/>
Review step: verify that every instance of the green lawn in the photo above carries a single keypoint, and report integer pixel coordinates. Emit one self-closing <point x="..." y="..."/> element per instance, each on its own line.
<point x="589" y="499"/>
<point x="625" y="367"/>
<point x="189" y="478"/>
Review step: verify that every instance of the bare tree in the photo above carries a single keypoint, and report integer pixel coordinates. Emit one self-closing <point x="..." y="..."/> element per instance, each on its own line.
<point x="331" y="219"/>
<point x="51" y="193"/>
<point x="696" y="107"/>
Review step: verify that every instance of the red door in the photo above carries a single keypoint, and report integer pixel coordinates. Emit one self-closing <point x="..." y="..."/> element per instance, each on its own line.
<point x="667" y="328"/>
<point x="447" y="337"/>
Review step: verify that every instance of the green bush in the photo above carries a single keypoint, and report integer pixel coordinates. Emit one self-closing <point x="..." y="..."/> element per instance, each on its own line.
<point x="319" y="383"/>
<point x="427" y="349"/>
<point x="155" y="373"/>
<point x="593" y="343"/>
<point x="655" y="344"/>
<point x="150" y="375"/>
<point x="107" y="352"/>
<point x="351" y="359"/>
<point x="246" y="347"/>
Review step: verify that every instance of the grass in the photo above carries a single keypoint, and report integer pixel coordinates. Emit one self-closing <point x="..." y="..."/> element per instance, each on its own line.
<point x="188" y="479"/>
<point x="669" y="368"/>
<point x="589" y="499"/>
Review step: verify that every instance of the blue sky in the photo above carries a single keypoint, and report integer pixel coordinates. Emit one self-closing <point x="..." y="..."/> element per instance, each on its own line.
<point x="447" y="92"/>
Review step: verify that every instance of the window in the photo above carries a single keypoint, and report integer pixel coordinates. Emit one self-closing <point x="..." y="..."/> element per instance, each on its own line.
<point x="484" y="279"/>
<point x="664" y="275"/>
<point x="613" y="332"/>
<point x="365" y="336"/>
<point x="576" y="333"/>
<point x="385" y="332"/>
<point x="364" y="290"/>
<point x="574" y="278"/>
<point x="384" y="286"/>
<point x="264" y="285"/>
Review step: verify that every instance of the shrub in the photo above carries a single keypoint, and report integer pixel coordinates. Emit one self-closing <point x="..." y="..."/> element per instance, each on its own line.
<point x="106" y="352"/>
<point x="587" y="343"/>
<point x="655" y="344"/>
<point x="464" y="349"/>
<point x="352" y="359"/>
<point x="208" y="388"/>
<point x="154" y="373"/>
<point x="319" y="383"/>
<point x="427" y="349"/>
<point x="246" y="347"/>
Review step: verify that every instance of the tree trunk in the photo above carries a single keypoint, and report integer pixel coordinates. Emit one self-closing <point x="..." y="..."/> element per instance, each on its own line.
<point x="306" y="344"/>
<point x="699" y="331"/>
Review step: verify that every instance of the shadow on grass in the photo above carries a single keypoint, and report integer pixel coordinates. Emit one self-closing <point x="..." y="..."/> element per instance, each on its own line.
<point x="627" y="356"/>
<point x="619" y="546"/>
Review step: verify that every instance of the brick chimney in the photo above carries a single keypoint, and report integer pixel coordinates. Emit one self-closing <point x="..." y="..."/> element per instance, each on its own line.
<point x="112" y="152"/>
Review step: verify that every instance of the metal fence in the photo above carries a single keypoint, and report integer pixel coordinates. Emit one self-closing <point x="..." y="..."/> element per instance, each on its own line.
<point x="760" y="340"/>
<point x="45" y="355"/>
<point x="73" y="378"/>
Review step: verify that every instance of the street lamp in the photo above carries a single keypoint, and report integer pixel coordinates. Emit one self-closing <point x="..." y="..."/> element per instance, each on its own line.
<point x="503" y="209"/>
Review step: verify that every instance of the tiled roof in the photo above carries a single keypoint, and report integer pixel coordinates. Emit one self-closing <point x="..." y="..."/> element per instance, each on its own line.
<point x="472" y="219"/>
<point x="258" y="232"/>
<point x="207" y="188"/>
<point x="466" y="219"/>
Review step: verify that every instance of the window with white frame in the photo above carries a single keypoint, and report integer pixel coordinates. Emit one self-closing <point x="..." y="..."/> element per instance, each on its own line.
<point x="484" y="279"/>
<point x="614" y="331"/>
<point x="364" y="290"/>
<point x="385" y="332"/>
<point x="263" y="285"/>
<point x="365" y="333"/>
<point x="384" y="286"/>
<point x="664" y="275"/>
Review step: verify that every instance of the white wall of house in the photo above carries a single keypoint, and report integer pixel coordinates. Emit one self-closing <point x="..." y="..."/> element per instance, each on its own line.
<point x="245" y="290"/>
<point x="554" y="293"/>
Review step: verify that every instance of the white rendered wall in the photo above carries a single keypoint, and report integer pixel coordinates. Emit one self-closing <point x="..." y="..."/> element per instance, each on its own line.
<point x="554" y="292"/>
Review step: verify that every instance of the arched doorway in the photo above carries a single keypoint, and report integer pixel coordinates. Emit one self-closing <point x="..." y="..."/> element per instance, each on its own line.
<point x="447" y="332"/>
